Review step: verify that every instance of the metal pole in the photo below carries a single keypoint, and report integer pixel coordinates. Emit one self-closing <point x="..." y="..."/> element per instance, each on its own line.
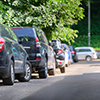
<point x="89" y="23"/>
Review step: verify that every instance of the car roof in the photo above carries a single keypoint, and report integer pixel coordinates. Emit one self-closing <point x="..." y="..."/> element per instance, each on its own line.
<point x="20" y="27"/>
<point x="84" y="48"/>
<point x="63" y="44"/>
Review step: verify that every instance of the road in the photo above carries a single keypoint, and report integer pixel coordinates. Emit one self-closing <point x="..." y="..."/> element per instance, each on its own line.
<point x="80" y="82"/>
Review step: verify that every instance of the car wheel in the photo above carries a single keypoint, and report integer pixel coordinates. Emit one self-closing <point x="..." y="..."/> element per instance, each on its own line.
<point x="53" y="71"/>
<point x="62" y="69"/>
<point x="10" y="80"/>
<point x="27" y="74"/>
<point x="43" y="74"/>
<point x="88" y="58"/>
<point x="75" y="59"/>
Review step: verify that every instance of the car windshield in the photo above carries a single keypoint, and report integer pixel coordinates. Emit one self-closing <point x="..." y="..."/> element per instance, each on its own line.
<point x="25" y="34"/>
<point x="56" y="44"/>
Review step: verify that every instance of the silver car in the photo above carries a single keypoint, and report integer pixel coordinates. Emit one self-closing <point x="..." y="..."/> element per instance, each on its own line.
<point x="86" y="53"/>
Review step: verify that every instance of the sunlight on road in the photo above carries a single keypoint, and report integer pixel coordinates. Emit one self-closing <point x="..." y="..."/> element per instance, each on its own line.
<point x="81" y="68"/>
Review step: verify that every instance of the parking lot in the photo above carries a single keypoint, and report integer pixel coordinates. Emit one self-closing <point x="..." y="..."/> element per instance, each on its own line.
<point x="80" y="82"/>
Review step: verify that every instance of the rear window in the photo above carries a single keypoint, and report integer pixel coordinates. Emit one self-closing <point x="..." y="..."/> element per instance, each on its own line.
<point x="56" y="43"/>
<point x="71" y="48"/>
<point x="54" y="40"/>
<point x="25" y="34"/>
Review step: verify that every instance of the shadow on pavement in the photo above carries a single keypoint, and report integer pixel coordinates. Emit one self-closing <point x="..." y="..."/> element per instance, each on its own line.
<point x="89" y="62"/>
<point x="76" y="87"/>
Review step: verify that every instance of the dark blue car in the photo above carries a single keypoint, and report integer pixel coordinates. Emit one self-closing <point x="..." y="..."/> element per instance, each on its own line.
<point x="13" y="58"/>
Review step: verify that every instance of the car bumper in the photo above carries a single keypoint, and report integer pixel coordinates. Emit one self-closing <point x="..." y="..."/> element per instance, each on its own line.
<point x="37" y="65"/>
<point x="60" y="63"/>
<point x="4" y="72"/>
<point x="94" y="57"/>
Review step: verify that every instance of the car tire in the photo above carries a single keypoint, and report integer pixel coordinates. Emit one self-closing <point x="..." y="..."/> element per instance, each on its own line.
<point x="27" y="73"/>
<point x="53" y="71"/>
<point x="43" y="74"/>
<point x="10" y="80"/>
<point x="88" y="58"/>
<point x="67" y="64"/>
<point x="75" y="59"/>
<point x="62" y="70"/>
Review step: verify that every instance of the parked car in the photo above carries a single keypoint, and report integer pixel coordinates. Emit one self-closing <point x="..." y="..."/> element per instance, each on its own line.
<point x="86" y="53"/>
<point x="60" y="55"/>
<point x="73" y="53"/>
<point x="68" y="56"/>
<point x="13" y="58"/>
<point x="41" y="55"/>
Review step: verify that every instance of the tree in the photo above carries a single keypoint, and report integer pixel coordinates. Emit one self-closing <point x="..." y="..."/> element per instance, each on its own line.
<point x="54" y="16"/>
<point x="3" y="9"/>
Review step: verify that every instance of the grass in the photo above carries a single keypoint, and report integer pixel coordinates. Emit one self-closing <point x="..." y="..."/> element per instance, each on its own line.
<point x="83" y="41"/>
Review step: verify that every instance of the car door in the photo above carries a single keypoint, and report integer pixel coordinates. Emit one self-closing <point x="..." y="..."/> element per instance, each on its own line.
<point x="49" y="51"/>
<point x="81" y="53"/>
<point x="18" y="54"/>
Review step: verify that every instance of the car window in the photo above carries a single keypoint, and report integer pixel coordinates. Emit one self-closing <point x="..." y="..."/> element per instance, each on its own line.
<point x="88" y="50"/>
<point x="26" y="34"/>
<point x="77" y="50"/>
<point x="39" y="35"/>
<point x="44" y="37"/>
<point x="7" y="33"/>
<point x="81" y="50"/>
<point x="64" y="47"/>
<point x="56" y="43"/>
<point x="13" y="35"/>
<point x="59" y="43"/>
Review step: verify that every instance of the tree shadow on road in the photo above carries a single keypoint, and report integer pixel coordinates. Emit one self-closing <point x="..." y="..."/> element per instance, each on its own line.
<point x="74" y="87"/>
<point x="89" y="62"/>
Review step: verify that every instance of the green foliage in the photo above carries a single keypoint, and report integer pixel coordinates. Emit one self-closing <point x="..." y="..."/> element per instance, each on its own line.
<point x="82" y="26"/>
<point x="54" y="16"/>
<point x="83" y="41"/>
<point x="3" y="9"/>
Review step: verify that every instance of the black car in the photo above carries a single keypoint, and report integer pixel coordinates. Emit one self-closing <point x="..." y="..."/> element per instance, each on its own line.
<point x="41" y="55"/>
<point x="60" y="55"/>
<point x="13" y="58"/>
<point x="73" y="52"/>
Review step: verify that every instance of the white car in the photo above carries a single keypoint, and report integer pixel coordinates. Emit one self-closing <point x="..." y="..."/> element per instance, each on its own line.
<point x="86" y="53"/>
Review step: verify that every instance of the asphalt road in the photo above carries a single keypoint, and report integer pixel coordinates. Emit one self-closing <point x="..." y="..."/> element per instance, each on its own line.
<point x="80" y="82"/>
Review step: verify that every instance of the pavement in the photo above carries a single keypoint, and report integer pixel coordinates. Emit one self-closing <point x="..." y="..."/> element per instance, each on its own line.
<point x="80" y="82"/>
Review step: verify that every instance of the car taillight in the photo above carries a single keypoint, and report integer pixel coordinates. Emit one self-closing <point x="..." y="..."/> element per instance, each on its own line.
<point x="72" y="52"/>
<point x="93" y="53"/>
<point x="60" y="51"/>
<point x="37" y="42"/>
<point x="16" y="27"/>
<point x="2" y="42"/>
<point x="60" y="63"/>
<point x="38" y="58"/>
